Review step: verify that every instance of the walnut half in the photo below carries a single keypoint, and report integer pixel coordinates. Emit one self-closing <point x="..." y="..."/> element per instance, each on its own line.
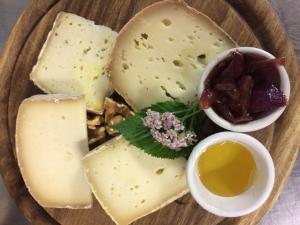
<point x="96" y="135"/>
<point x="100" y="126"/>
<point x="112" y="108"/>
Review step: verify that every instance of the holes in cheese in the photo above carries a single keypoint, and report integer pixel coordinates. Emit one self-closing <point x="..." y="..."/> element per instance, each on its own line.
<point x="129" y="183"/>
<point x="167" y="22"/>
<point x="177" y="62"/>
<point x="165" y="40"/>
<point x="51" y="139"/>
<point x="160" y="171"/>
<point x="144" y="35"/>
<point x="73" y="59"/>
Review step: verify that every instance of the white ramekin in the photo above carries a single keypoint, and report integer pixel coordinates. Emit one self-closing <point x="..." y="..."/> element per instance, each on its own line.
<point x="247" y="201"/>
<point x="256" y="124"/>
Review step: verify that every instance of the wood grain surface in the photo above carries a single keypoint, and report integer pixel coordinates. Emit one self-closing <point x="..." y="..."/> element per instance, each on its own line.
<point x="249" y="22"/>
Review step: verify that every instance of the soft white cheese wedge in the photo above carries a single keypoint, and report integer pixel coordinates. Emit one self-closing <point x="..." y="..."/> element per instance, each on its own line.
<point x="73" y="59"/>
<point x="129" y="183"/>
<point x="161" y="53"/>
<point x="51" y="139"/>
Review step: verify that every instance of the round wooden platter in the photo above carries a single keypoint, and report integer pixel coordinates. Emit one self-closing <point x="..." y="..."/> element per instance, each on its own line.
<point x="249" y="23"/>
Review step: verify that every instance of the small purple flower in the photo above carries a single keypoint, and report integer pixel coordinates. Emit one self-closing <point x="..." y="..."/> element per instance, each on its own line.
<point x="152" y="120"/>
<point x="170" y="121"/>
<point x="190" y="138"/>
<point x="168" y="130"/>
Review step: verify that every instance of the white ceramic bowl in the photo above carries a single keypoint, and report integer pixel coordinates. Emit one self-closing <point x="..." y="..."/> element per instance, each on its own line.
<point x="245" y="202"/>
<point x="255" y="124"/>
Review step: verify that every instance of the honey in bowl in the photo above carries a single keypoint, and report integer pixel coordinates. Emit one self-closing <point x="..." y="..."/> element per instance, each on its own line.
<point x="227" y="168"/>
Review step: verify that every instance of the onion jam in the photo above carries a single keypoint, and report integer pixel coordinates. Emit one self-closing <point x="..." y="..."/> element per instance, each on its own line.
<point x="243" y="87"/>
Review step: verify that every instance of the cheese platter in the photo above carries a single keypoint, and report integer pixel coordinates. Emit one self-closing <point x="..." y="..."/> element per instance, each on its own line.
<point x="138" y="65"/>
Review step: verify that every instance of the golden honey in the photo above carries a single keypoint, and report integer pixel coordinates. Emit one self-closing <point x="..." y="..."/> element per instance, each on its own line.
<point x="226" y="168"/>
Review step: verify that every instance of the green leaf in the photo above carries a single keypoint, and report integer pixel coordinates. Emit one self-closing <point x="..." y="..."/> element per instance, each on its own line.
<point x="134" y="131"/>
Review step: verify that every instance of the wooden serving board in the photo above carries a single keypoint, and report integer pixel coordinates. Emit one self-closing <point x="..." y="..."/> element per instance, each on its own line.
<point x="249" y="23"/>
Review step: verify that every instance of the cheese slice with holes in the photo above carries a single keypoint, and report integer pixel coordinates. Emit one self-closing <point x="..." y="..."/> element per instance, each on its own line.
<point x="73" y="59"/>
<point x="129" y="183"/>
<point x="51" y="139"/>
<point x="161" y="53"/>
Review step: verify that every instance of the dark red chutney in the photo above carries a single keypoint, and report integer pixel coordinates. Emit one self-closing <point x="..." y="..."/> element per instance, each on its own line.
<point x="243" y="87"/>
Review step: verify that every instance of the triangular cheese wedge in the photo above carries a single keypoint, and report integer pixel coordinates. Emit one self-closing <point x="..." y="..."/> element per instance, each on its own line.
<point x="51" y="139"/>
<point x="129" y="183"/>
<point x="161" y="53"/>
<point x="73" y="60"/>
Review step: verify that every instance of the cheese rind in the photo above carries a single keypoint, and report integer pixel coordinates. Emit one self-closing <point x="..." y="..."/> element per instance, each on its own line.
<point x="129" y="183"/>
<point x="161" y="53"/>
<point x="73" y="59"/>
<point x="51" y="139"/>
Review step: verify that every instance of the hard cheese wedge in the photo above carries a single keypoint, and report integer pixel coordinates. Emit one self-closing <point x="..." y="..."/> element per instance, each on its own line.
<point x="129" y="183"/>
<point x="162" y="52"/>
<point x="51" y="139"/>
<point x="73" y="59"/>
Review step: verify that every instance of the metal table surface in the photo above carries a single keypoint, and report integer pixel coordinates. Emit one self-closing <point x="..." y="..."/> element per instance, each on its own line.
<point x="287" y="209"/>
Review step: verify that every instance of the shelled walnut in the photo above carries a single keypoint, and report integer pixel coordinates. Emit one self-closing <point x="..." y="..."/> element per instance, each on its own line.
<point x="95" y="120"/>
<point x="112" y="108"/>
<point x="96" y="134"/>
<point x="100" y="125"/>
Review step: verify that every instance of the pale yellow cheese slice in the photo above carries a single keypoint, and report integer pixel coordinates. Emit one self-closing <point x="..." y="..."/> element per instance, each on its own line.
<point x="73" y="59"/>
<point x="129" y="183"/>
<point x="51" y="139"/>
<point x="161" y="53"/>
